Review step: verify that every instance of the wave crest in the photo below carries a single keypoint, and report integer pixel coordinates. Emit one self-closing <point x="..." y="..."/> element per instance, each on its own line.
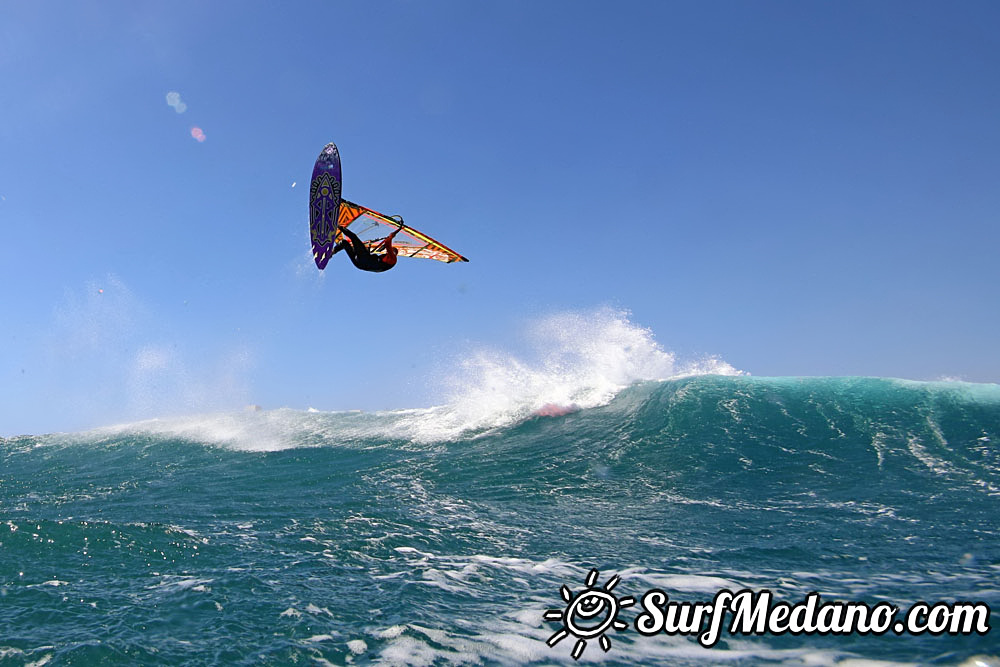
<point x="576" y="360"/>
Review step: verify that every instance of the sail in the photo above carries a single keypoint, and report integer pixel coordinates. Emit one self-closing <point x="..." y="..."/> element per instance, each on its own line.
<point x="372" y="227"/>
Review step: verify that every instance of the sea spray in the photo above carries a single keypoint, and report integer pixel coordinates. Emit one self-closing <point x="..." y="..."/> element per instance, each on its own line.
<point x="574" y="360"/>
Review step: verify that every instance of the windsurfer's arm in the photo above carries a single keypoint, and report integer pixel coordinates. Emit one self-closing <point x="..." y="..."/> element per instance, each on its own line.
<point x="387" y="241"/>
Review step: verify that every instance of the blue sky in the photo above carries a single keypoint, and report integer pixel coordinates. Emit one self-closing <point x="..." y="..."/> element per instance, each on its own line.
<point x="799" y="188"/>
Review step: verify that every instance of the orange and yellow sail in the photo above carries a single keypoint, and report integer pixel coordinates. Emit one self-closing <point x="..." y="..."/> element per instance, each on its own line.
<point x="372" y="227"/>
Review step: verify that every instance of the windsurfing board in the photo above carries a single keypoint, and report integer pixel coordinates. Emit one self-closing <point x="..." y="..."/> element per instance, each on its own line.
<point x="324" y="204"/>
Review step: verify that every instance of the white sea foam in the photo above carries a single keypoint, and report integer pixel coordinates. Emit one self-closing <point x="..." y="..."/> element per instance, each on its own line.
<point x="510" y="640"/>
<point x="258" y="431"/>
<point x="391" y="632"/>
<point x="574" y="361"/>
<point x="579" y="360"/>
<point x="688" y="583"/>
<point x="357" y="646"/>
<point x="176" y="583"/>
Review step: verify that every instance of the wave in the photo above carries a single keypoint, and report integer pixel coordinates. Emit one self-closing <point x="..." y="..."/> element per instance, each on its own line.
<point x="571" y="361"/>
<point x="597" y="386"/>
<point x="818" y="428"/>
<point x="863" y="488"/>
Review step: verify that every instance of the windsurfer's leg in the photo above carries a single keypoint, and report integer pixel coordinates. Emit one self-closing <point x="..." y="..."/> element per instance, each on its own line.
<point x="352" y="236"/>
<point x="346" y="246"/>
<point x="356" y="249"/>
<point x="359" y="247"/>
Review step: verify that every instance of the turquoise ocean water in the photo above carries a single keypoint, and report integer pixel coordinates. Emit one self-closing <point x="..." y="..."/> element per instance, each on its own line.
<point x="418" y="537"/>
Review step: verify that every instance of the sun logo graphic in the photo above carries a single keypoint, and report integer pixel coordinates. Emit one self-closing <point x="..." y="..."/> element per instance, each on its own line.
<point x="588" y="614"/>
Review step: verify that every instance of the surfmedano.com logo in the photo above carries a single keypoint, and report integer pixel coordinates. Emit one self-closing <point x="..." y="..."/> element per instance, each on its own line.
<point x="593" y="611"/>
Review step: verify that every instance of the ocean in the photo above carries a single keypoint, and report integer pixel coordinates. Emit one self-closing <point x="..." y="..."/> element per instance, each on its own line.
<point x="435" y="536"/>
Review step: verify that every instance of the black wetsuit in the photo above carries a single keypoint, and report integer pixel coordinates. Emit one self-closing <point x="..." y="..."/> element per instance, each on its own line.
<point x="360" y="255"/>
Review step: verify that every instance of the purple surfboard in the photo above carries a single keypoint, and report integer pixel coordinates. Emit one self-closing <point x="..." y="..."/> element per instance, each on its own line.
<point x="324" y="204"/>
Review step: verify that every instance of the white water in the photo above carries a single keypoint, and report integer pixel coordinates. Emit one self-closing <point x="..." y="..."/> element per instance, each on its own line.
<point x="576" y="360"/>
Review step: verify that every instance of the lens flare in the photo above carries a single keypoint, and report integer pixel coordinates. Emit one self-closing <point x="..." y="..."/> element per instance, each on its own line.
<point x="198" y="134"/>
<point x="174" y="100"/>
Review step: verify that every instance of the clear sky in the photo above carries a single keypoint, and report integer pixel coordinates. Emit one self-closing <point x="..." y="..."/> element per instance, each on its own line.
<point x="798" y="188"/>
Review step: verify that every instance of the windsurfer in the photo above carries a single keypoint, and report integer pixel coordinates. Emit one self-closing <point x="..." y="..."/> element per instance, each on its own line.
<point x="383" y="259"/>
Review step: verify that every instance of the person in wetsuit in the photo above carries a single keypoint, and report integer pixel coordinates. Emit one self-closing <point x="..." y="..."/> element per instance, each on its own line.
<point x="365" y="259"/>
